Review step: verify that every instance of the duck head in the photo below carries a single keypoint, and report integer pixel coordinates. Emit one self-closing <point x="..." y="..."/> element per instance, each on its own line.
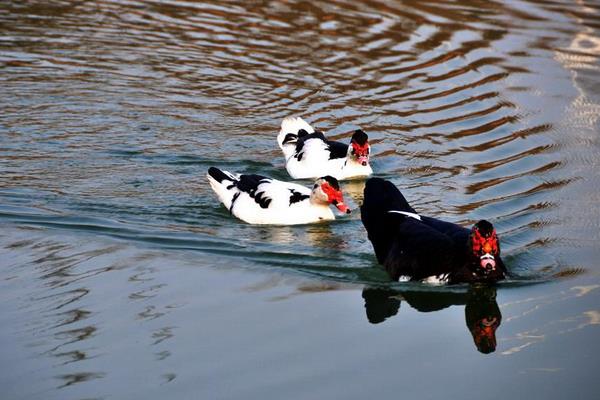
<point x="327" y="190"/>
<point x="484" y="247"/>
<point x="359" y="148"/>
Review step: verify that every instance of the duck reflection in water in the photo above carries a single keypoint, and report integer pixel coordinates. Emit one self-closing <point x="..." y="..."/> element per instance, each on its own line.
<point x="482" y="313"/>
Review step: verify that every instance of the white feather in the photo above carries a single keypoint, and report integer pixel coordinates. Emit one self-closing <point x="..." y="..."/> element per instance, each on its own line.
<point x="315" y="161"/>
<point x="408" y="214"/>
<point x="291" y="125"/>
<point x="436" y="279"/>
<point x="279" y="210"/>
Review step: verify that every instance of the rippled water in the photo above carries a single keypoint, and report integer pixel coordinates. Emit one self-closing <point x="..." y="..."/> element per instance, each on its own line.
<point x="122" y="277"/>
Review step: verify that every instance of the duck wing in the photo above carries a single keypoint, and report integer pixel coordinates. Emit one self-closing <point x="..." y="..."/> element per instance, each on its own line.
<point x="256" y="198"/>
<point x="317" y="142"/>
<point x="270" y="194"/>
<point x="337" y="149"/>
<point x="418" y="250"/>
<point x="304" y="137"/>
<point x="234" y="189"/>
<point x="381" y="197"/>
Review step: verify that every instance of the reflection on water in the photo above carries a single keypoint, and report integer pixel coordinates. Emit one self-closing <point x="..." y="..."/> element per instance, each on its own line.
<point x="78" y="285"/>
<point x="482" y="314"/>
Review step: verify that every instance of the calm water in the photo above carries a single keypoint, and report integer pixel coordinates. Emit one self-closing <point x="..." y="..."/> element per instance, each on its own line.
<point x="121" y="277"/>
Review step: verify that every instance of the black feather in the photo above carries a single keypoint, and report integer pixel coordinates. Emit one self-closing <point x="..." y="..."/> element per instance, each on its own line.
<point x="337" y="149"/>
<point x="218" y="175"/>
<point x="297" y="197"/>
<point x="249" y="184"/>
<point x="360" y="137"/>
<point x="233" y="200"/>
<point x="262" y="200"/>
<point x="290" y="137"/>
<point x="302" y="133"/>
<point x="303" y="137"/>
<point x="485" y="228"/>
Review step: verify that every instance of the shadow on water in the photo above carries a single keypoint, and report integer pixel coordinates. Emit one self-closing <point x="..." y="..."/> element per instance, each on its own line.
<point x="482" y="314"/>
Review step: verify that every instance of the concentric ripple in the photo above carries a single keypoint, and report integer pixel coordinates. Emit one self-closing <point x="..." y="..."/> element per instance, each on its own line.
<point x="113" y="111"/>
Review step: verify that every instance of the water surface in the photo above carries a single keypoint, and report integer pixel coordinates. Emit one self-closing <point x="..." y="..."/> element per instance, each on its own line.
<point x="122" y="277"/>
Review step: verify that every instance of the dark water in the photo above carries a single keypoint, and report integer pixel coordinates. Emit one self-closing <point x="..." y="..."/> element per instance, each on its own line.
<point x="121" y="277"/>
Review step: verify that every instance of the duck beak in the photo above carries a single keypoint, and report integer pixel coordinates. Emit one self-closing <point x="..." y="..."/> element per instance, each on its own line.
<point x="363" y="160"/>
<point x="342" y="207"/>
<point x="487" y="262"/>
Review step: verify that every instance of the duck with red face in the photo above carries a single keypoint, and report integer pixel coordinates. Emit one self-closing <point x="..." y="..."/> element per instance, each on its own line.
<point x="359" y="149"/>
<point x="310" y="154"/>
<point x="330" y="193"/>
<point x="421" y="248"/>
<point x="257" y="199"/>
<point x="484" y="245"/>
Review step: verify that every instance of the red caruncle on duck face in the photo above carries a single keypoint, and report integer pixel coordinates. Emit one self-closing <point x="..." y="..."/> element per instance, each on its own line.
<point x="484" y="244"/>
<point x="361" y="152"/>
<point x="335" y="197"/>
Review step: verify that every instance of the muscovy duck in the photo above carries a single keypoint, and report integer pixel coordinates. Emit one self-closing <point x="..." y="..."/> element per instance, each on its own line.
<point x="308" y="154"/>
<point x="420" y="248"/>
<point x="257" y="199"/>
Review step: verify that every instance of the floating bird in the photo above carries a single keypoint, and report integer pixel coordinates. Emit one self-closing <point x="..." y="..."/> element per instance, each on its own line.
<point x="308" y="154"/>
<point x="257" y="199"/>
<point x="419" y="248"/>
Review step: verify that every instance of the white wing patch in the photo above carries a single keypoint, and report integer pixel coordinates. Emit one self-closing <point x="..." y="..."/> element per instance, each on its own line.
<point x="408" y="214"/>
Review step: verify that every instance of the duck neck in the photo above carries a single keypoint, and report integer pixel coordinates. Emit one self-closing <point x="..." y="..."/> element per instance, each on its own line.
<point x="316" y="201"/>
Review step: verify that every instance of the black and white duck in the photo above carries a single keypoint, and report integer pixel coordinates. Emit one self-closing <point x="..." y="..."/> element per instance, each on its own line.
<point x="257" y="199"/>
<point x="308" y="153"/>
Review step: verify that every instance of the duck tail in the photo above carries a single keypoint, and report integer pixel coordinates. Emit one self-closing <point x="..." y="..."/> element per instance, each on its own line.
<point x="381" y="197"/>
<point x="295" y="124"/>
<point x="290" y="131"/>
<point x="223" y="183"/>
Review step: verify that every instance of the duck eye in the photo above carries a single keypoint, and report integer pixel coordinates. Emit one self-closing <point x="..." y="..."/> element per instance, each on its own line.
<point x="316" y="186"/>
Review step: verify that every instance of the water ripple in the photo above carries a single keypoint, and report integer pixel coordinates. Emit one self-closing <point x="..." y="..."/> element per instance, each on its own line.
<point x="118" y="108"/>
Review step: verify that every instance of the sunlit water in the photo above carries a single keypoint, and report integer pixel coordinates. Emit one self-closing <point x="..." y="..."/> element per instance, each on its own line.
<point x="122" y="277"/>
